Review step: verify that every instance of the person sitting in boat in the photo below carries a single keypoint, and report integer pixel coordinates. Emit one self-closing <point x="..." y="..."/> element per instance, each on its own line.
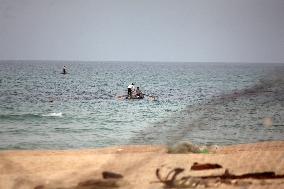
<point x="139" y="93"/>
<point x="130" y="89"/>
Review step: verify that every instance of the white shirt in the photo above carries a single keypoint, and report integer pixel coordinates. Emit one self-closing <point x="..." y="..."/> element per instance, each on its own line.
<point x="130" y="86"/>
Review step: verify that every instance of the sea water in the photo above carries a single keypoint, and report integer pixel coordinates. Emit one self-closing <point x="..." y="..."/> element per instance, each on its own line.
<point x="205" y="103"/>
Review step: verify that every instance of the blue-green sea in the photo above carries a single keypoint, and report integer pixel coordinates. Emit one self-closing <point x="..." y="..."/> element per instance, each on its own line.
<point x="205" y="103"/>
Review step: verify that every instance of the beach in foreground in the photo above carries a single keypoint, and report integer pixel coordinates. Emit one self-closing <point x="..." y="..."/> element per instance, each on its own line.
<point x="258" y="165"/>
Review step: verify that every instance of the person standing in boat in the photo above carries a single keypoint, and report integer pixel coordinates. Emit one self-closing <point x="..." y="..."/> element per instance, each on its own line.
<point x="130" y="88"/>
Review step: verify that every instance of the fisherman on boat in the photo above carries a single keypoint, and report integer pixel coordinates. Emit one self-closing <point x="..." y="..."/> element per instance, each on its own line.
<point x="139" y="93"/>
<point x="133" y="93"/>
<point x="130" y="89"/>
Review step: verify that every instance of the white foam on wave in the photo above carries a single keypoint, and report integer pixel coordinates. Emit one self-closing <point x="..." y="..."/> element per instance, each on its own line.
<point x="53" y="115"/>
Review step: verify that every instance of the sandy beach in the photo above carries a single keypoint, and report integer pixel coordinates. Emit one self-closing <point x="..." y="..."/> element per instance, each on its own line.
<point x="136" y="167"/>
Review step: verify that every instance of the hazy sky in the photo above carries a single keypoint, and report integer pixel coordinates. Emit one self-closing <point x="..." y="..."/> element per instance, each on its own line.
<point x="143" y="30"/>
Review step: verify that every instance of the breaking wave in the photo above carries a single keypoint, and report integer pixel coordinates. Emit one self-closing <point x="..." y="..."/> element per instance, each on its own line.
<point x="53" y="115"/>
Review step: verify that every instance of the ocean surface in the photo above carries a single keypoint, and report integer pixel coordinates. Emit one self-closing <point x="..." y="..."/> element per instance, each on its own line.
<point x="205" y="103"/>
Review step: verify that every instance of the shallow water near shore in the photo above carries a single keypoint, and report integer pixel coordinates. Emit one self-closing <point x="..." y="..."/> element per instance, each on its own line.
<point x="205" y="103"/>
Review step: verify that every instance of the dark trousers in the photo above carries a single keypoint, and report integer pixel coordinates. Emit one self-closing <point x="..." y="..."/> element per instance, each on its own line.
<point x="129" y="91"/>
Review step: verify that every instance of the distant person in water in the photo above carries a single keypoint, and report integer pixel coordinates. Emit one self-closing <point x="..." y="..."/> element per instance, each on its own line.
<point x="130" y="88"/>
<point x="64" y="70"/>
<point x="139" y="94"/>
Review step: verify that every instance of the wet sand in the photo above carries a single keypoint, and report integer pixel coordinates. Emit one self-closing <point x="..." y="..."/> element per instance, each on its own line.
<point x="82" y="169"/>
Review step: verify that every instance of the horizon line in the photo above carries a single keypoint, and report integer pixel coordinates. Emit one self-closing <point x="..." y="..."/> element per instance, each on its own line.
<point x="137" y="61"/>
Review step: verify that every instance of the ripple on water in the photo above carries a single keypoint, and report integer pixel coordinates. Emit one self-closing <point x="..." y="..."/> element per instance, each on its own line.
<point x="216" y="103"/>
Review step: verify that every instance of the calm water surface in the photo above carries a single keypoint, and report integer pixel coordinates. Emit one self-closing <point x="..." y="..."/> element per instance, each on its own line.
<point x="204" y="103"/>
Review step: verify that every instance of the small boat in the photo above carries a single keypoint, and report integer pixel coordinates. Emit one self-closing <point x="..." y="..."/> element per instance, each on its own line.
<point x="133" y="97"/>
<point x="148" y="97"/>
<point x="136" y="95"/>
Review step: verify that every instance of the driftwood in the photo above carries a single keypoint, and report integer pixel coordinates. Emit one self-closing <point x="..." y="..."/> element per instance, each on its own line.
<point x="99" y="183"/>
<point x="192" y="181"/>
<point x="227" y="175"/>
<point x="108" y="175"/>
<point x="197" y="167"/>
<point x="170" y="178"/>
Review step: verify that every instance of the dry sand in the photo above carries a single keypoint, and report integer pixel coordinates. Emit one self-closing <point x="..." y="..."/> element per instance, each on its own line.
<point x="50" y="169"/>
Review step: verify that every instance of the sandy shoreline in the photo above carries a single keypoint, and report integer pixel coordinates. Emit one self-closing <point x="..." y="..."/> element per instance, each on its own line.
<point x="72" y="168"/>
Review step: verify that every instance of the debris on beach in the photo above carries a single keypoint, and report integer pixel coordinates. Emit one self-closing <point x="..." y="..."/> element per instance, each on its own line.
<point x="183" y="147"/>
<point x="108" y="175"/>
<point x="109" y="180"/>
<point x="205" y="166"/>
<point x="100" y="184"/>
<point x="188" y="147"/>
<point x="171" y="179"/>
